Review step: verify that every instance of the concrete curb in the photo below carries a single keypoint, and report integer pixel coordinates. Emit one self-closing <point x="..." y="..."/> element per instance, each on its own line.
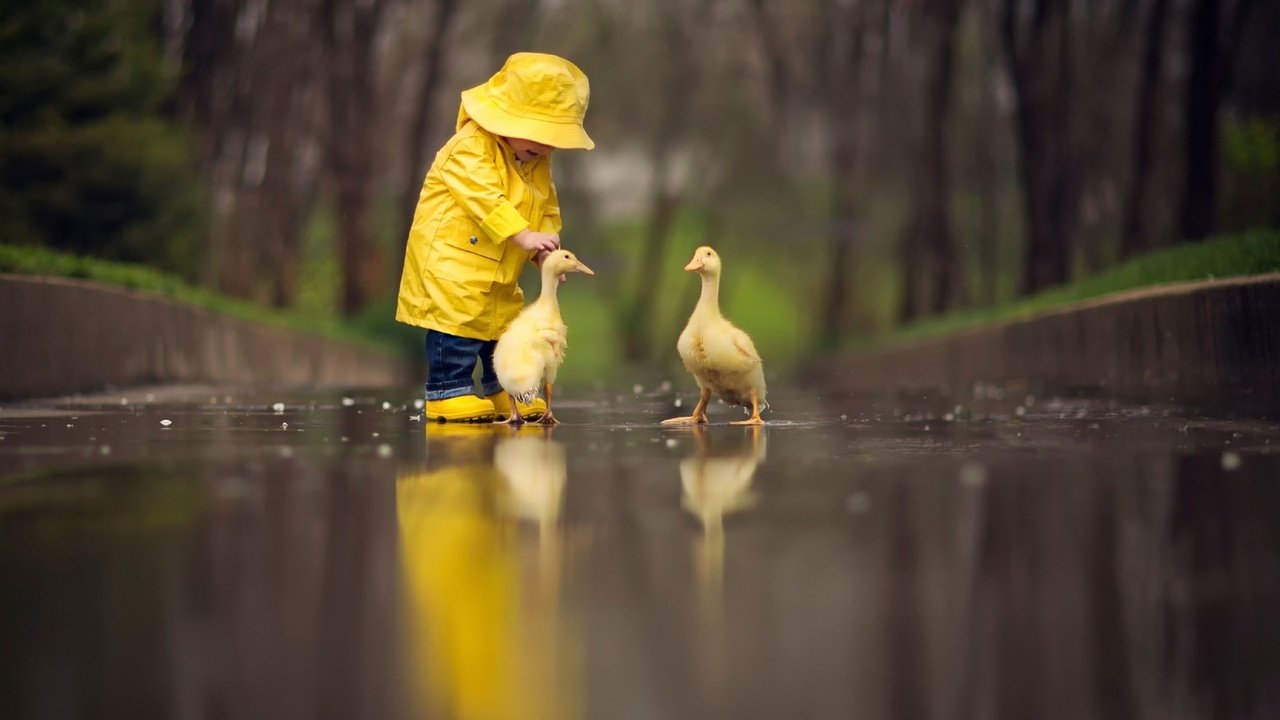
<point x="69" y="336"/>
<point x="1211" y="343"/>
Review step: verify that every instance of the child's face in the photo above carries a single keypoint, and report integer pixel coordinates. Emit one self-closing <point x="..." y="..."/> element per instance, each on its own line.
<point x="527" y="150"/>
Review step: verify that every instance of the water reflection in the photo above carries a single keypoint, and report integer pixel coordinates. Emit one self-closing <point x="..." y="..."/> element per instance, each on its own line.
<point x="486" y="637"/>
<point x="717" y="484"/>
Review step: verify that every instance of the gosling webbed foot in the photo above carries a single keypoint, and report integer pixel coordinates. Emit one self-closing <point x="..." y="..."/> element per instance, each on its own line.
<point x="690" y="420"/>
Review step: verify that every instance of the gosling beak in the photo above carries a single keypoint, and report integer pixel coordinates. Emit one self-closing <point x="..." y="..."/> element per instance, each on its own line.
<point x="583" y="269"/>
<point x="694" y="265"/>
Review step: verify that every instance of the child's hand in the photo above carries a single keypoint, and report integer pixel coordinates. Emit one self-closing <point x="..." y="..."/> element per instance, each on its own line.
<point x="532" y="240"/>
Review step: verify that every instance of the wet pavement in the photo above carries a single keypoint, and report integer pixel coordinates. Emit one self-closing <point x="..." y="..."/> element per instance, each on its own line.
<point x="335" y="557"/>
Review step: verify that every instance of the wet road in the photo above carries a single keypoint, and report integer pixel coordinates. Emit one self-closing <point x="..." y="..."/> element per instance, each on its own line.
<point x="338" y="559"/>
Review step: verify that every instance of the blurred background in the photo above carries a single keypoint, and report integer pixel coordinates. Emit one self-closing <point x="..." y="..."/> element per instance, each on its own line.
<point x="863" y="166"/>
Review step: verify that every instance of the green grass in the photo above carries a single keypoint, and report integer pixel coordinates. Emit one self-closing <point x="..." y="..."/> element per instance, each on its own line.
<point x="32" y="260"/>
<point x="1248" y="254"/>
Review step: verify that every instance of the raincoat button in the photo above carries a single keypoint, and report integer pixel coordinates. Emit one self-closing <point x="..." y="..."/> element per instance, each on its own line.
<point x="473" y="239"/>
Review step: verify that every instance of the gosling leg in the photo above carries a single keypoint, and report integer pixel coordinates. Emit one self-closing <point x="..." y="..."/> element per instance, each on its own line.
<point x="699" y="416"/>
<point x="515" y="418"/>
<point x="548" y="419"/>
<point x="755" y="411"/>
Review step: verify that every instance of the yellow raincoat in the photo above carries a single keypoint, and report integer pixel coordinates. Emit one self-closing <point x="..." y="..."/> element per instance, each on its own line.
<point x="460" y="268"/>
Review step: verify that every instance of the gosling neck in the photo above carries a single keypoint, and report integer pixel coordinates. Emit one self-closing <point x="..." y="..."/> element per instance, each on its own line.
<point x="709" y="301"/>
<point x="550" y="281"/>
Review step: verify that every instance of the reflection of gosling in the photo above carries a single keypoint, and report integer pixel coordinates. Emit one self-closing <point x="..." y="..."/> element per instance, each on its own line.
<point x="535" y="471"/>
<point x="531" y="350"/>
<point x="716" y="486"/>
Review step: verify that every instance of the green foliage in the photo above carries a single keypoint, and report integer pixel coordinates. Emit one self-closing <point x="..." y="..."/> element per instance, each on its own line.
<point x="1248" y="254"/>
<point x="1252" y="146"/>
<point x="374" y="330"/>
<point x="1251" y="151"/>
<point x="88" y="161"/>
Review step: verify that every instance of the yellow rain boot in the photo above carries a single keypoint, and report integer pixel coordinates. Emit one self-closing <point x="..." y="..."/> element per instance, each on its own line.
<point x="530" y="410"/>
<point x="463" y="408"/>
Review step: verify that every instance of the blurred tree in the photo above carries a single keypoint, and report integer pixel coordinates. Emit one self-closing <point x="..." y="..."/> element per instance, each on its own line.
<point x="348" y="34"/>
<point x="249" y="82"/>
<point x="89" y="159"/>
<point x="844" y="32"/>
<point x="676" y="78"/>
<point x="931" y="271"/>
<point x="1134" y="233"/>
<point x="1212" y="58"/>
<point x="1038" y="50"/>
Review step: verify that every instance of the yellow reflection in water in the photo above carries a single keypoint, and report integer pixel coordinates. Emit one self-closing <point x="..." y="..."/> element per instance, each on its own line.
<point x="485" y="632"/>
<point x="717" y="484"/>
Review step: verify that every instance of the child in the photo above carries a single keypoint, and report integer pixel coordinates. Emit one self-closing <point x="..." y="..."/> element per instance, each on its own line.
<point x="488" y="204"/>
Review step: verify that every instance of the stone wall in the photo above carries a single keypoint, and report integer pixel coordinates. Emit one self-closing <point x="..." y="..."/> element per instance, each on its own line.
<point x="60" y="336"/>
<point x="1212" y="343"/>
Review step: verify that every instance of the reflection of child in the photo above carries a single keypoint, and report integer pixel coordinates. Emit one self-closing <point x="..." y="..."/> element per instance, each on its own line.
<point x="488" y="204"/>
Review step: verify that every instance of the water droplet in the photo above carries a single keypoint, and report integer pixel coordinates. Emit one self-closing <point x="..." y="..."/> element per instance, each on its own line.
<point x="415" y="418"/>
<point x="151" y="397"/>
<point x="844" y="417"/>
<point x="384" y="451"/>
<point x="1231" y="461"/>
<point x="671" y="442"/>
<point x="386" y="405"/>
<point x="104" y="450"/>
<point x="949" y="417"/>
<point x="284" y="426"/>
<point x="418" y="404"/>
<point x="348" y="402"/>
<point x="166" y="422"/>
<point x="637" y="389"/>
<point x="973" y="474"/>
<point x="1020" y="411"/>
<point x="679" y="402"/>
<point x="278" y="407"/>
<point x="857" y="503"/>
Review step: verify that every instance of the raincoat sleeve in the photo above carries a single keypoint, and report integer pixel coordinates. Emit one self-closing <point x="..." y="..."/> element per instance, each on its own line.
<point x="475" y="184"/>
<point x="551" y="221"/>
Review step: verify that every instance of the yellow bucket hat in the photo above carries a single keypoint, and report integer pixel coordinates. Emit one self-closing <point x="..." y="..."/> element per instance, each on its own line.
<point x="534" y="97"/>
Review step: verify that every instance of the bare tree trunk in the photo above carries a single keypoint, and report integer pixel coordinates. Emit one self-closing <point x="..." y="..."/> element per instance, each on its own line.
<point x="932" y="276"/>
<point x="678" y="79"/>
<point x="1134" y="237"/>
<point x="350" y="31"/>
<point x="985" y="168"/>
<point x="213" y="96"/>
<point x="286" y="103"/>
<point x="1211" y="58"/>
<point x="834" y="312"/>
<point x="1039" y="59"/>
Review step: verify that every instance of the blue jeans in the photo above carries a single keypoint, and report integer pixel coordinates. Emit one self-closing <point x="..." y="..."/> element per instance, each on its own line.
<point x="451" y="361"/>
